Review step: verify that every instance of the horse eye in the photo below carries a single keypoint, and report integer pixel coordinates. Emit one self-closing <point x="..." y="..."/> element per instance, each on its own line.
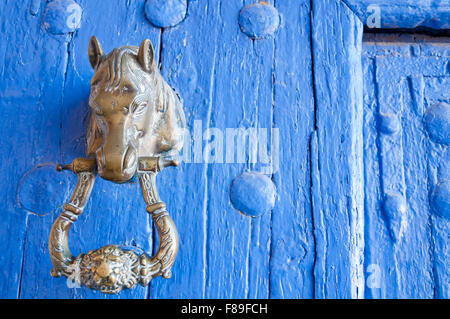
<point x="128" y="88"/>
<point x="95" y="83"/>
<point x="140" y="109"/>
<point x="95" y="107"/>
<point x="98" y="111"/>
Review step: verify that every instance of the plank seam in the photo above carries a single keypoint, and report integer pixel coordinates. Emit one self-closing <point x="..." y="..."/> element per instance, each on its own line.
<point x="313" y="222"/>
<point x="313" y="81"/>
<point x="24" y="246"/>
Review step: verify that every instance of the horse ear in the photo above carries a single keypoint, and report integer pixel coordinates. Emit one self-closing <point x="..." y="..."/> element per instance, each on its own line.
<point x="146" y="55"/>
<point x="96" y="53"/>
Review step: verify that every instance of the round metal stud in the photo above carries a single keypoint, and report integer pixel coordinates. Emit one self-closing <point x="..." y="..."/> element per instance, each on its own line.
<point x="253" y="194"/>
<point x="395" y="210"/>
<point x="395" y="204"/>
<point x="165" y="13"/>
<point x="62" y="16"/>
<point x="42" y="189"/>
<point x="259" y="20"/>
<point x="437" y="123"/>
<point x="389" y="124"/>
<point x="440" y="199"/>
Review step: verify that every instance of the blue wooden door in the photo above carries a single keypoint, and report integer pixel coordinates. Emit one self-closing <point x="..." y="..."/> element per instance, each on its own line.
<point x="278" y="93"/>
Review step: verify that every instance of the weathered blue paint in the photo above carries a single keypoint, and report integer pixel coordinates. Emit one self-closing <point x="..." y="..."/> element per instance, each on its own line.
<point x="402" y="14"/>
<point x="259" y="20"/>
<point x="437" y="122"/>
<point x="165" y="13"/>
<point x="35" y="6"/>
<point x="62" y="16"/>
<point x="395" y="210"/>
<point x="327" y="235"/>
<point x="389" y="123"/>
<point x="440" y="199"/>
<point x="253" y="194"/>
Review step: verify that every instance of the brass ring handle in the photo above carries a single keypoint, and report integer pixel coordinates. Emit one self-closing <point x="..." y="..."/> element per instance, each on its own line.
<point x="110" y="268"/>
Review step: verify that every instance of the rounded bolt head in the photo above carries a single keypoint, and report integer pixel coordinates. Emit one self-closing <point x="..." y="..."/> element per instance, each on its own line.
<point x="440" y="199"/>
<point x="259" y="20"/>
<point x="389" y="124"/>
<point x="395" y="210"/>
<point x="165" y="13"/>
<point x="395" y="204"/>
<point x="437" y="123"/>
<point x="253" y="194"/>
<point x="62" y="16"/>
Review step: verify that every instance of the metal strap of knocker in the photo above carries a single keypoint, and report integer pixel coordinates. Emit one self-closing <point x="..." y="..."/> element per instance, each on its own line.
<point x="136" y="127"/>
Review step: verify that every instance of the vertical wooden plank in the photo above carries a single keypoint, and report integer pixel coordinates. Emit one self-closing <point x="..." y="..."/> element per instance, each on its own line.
<point x="116" y="213"/>
<point x="238" y="101"/>
<point x="259" y="101"/>
<point x="215" y="99"/>
<point x="337" y="38"/>
<point x="188" y="63"/>
<point x="293" y="243"/>
<point x="415" y="254"/>
<point x="373" y="225"/>
<point x="27" y="109"/>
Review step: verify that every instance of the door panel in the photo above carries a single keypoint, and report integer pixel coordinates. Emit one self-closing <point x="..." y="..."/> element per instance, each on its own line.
<point x="226" y="80"/>
<point x="406" y="249"/>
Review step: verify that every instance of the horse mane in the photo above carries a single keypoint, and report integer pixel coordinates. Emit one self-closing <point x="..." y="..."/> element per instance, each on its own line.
<point x="115" y="59"/>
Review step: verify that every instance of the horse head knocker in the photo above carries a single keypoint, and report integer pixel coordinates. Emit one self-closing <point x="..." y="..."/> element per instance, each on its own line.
<point x="136" y="128"/>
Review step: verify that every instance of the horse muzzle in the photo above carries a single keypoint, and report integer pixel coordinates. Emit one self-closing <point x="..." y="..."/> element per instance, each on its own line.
<point x="117" y="166"/>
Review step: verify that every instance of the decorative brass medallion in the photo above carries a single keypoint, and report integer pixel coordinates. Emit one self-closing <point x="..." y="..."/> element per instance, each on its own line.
<point x="137" y="127"/>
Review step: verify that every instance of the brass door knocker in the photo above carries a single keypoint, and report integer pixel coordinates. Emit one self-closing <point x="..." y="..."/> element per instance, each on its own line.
<point x="137" y="127"/>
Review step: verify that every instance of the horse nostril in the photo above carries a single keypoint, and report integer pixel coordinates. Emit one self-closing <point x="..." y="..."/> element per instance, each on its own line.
<point x="130" y="158"/>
